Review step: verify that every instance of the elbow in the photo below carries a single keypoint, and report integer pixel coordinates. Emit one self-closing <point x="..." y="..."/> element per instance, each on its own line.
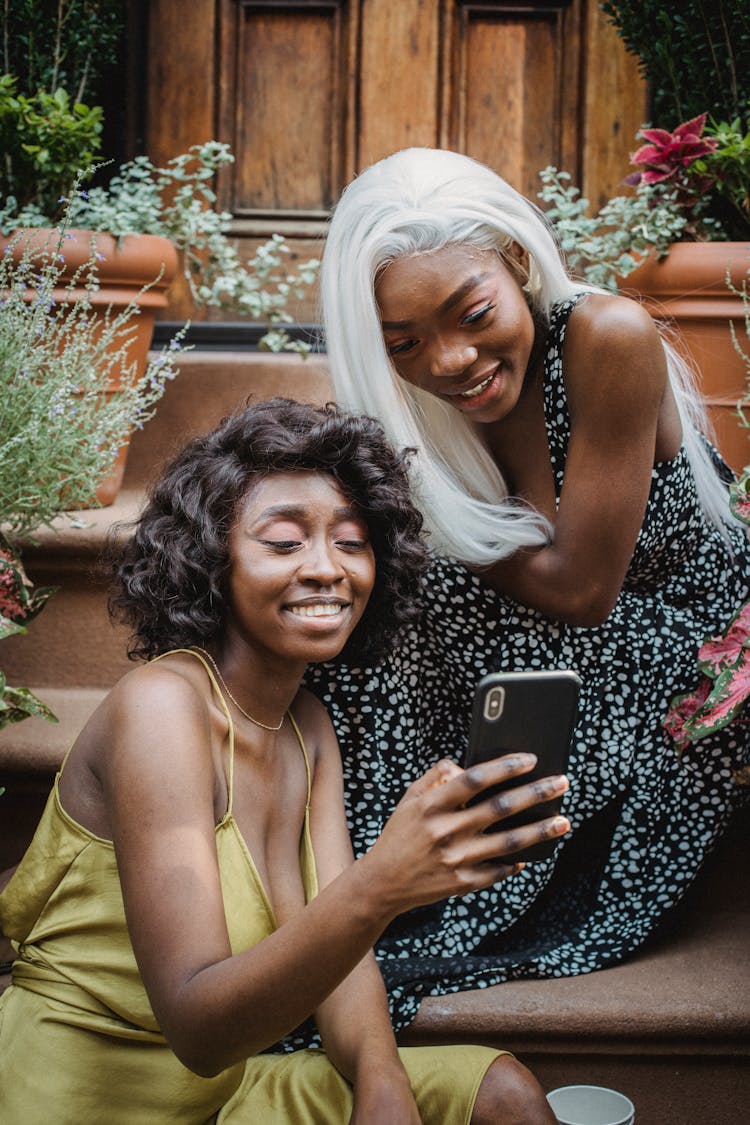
<point x="204" y="1055"/>
<point x="587" y="608"/>
<point x="199" y="1058"/>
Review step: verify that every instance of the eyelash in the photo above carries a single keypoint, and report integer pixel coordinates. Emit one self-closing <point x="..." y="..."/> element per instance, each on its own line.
<point x="352" y="544"/>
<point x="286" y="546"/>
<point x="473" y="318"/>
<point x="401" y="349"/>
<point x="282" y="545"/>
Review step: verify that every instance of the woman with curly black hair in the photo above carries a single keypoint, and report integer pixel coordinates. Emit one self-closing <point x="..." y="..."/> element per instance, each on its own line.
<point x="190" y="895"/>
<point x="173" y="589"/>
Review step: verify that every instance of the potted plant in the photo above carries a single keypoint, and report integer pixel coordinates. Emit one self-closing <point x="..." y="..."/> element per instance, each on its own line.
<point x="683" y="229"/>
<point x="55" y="53"/>
<point x="62" y="424"/>
<point x="723" y="665"/>
<point x="147" y="218"/>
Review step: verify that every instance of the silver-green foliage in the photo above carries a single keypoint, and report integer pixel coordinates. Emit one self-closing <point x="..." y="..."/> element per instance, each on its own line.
<point x="178" y="203"/>
<point x="60" y="432"/>
<point x="610" y="244"/>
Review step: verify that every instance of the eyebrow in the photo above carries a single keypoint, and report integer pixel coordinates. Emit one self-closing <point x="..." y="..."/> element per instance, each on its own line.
<point x="297" y="511"/>
<point x="450" y="302"/>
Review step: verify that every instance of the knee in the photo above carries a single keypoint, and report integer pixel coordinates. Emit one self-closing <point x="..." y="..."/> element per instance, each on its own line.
<point x="510" y="1095"/>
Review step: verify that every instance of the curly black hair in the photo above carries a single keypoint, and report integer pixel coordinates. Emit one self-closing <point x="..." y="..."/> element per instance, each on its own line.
<point x="170" y="582"/>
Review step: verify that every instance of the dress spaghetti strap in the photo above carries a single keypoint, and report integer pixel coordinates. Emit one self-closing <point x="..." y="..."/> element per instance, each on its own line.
<point x="225" y="709"/>
<point x="301" y="741"/>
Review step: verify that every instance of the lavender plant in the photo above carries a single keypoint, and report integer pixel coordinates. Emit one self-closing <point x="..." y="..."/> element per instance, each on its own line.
<point x="61" y="432"/>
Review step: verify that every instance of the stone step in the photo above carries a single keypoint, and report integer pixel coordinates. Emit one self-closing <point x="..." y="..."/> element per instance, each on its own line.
<point x="36" y="747"/>
<point x="670" y="1027"/>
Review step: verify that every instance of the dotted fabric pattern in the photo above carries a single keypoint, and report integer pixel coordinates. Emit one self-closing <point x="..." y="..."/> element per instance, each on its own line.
<point x="643" y="822"/>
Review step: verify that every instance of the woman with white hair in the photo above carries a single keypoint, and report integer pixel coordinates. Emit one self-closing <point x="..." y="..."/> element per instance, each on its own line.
<point x="578" y="518"/>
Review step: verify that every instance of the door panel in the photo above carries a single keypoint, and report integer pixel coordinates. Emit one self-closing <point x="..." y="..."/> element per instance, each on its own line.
<point x="308" y="92"/>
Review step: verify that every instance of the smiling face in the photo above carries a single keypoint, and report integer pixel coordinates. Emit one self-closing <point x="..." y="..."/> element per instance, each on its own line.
<point x="301" y="568"/>
<point x="456" y="323"/>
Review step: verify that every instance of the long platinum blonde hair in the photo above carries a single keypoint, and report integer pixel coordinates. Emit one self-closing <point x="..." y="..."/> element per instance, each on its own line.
<point x="424" y="199"/>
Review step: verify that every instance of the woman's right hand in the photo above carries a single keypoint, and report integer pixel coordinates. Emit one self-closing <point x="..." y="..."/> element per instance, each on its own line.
<point x="433" y="846"/>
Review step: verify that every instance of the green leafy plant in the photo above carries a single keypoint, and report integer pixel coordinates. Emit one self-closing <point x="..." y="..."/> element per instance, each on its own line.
<point x="726" y="171"/>
<point x="55" y="53"/>
<point x="178" y="202"/>
<point x="687" y="186"/>
<point x="49" y="44"/>
<point x="693" y="180"/>
<point x="695" y="54"/>
<point x="45" y="140"/>
<point x="610" y="244"/>
<point x="62" y="424"/>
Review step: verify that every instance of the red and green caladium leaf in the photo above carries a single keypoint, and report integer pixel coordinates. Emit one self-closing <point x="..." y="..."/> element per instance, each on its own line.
<point x="8" y="628"/>
<point x="724" y="702"/>
<point x="682" y="709"/>
<point x="19" y="599"/>
<point x="718" y="653"/>
<point x="723" y="690"/>
<point x="739" y="498"/>
<point x="17" y="704"/>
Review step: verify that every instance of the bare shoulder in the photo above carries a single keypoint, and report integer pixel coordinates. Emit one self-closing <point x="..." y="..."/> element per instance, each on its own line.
<point x="315" y="726"/>
<point x="613" y="350"/>
<point x="153" y="724"/>
<point x="166" y="704"/>
<point x="168" y="687"/>
<point x="605" y="321"/>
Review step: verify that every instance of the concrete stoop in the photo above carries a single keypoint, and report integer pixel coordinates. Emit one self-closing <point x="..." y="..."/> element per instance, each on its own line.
<point x="670" y="1027"/>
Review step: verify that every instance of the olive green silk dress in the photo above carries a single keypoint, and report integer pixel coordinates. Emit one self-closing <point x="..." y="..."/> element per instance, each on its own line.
<point x="79" y="1043"/>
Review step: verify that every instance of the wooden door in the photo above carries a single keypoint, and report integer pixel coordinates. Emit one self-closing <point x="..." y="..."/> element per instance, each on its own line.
<point x="308" y="92"/>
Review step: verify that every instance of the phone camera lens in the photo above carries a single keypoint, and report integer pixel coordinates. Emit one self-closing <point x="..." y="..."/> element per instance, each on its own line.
<point x="493" y="703"/>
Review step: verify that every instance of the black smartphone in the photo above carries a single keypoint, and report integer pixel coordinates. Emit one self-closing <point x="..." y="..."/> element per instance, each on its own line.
<point x="533" y="712"/>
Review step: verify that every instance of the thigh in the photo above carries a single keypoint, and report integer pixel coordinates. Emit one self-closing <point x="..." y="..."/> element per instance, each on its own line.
<point x="304" y="1088"/>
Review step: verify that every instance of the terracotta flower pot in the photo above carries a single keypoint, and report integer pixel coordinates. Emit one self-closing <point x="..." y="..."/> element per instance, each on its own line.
<point x="124" y="268"/>
<point x="689" y="289"/>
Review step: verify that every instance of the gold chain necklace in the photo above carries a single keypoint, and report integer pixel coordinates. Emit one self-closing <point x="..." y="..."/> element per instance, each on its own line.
<point x="241" y="709"/>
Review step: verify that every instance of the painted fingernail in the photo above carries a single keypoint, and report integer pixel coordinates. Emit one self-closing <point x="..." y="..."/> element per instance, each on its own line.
<point x="519" y="760"/>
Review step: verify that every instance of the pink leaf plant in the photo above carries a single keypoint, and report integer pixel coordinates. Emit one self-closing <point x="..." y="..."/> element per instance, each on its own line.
<point x="724" y="664"/>
<point x="19" y="600"/>
<point x="739" y="498"/>
<point x="667" y="155"/>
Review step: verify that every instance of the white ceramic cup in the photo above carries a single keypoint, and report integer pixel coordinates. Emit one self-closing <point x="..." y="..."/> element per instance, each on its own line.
<point x="591" y="1105"/>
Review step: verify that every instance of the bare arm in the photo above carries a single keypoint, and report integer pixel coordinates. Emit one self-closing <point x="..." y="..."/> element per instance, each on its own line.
<point x="214" y="1008"/>
<point x="354" y="1020"/>
<point x="620" y="404"/>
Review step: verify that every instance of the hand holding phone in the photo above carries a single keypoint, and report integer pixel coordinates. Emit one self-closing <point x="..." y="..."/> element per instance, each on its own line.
<point x="530" y="712"/>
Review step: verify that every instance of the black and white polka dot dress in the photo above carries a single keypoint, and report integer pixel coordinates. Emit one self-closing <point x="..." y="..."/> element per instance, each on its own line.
<point x="642" y="822"/>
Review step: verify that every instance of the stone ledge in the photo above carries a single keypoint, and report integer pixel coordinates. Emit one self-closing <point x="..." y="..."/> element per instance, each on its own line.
<point x="686" y="993"/>
<point x="37" y="747"/>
